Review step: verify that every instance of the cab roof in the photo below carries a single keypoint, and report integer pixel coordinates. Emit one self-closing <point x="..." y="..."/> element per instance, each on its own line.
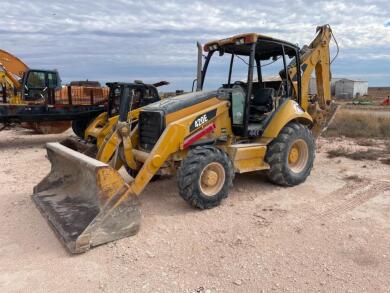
<point x="266" y="48"/>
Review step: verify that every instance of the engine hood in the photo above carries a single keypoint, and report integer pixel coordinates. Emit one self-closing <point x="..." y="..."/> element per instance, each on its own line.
<point x="180" y="102"/>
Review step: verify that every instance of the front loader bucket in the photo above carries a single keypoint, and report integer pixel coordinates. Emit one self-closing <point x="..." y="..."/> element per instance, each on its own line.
<point x="86" y="202"/>
<point x="80" y="146"/>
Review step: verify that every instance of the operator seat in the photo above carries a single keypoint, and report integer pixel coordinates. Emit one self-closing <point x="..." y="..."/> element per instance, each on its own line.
<point x="261" y="101"/>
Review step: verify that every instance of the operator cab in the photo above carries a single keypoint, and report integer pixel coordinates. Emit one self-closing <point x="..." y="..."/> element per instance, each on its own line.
<point x="140" y="94"/>
<point x="257" y="82"/>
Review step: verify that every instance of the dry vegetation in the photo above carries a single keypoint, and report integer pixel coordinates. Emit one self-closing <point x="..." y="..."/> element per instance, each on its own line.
<point x="355" y="178"/>
<point x="360" y="124"/>
<point x="373" y="151"/>
<point x="370" y="154"/>
<point x="366" y="142"/>
<point x="371" y="131"/>
<point x="366" y="126"/>
<point x="386" y="161"/>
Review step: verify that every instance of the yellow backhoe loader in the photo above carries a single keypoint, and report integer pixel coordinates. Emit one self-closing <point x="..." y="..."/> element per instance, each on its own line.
<point x="204" y="137"/>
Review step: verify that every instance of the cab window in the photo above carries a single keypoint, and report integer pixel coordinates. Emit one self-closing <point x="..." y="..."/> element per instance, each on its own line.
<point x="52" y="80"/>
<point x="36" y="79"/>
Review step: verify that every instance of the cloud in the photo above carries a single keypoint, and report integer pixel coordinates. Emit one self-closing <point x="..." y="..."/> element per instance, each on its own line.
<point x="153" y="40"/>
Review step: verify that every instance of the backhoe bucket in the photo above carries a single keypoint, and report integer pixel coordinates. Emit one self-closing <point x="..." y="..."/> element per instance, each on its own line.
<point x="86" y="201"/>
<point x="324" y="119"/>
<point x="331" y="114"/>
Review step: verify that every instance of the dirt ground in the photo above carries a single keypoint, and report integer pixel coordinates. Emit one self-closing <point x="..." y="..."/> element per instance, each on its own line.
<point x="330" y="234"/>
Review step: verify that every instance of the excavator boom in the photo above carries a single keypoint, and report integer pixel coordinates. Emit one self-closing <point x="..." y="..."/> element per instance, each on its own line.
<point x="13" y="64"/>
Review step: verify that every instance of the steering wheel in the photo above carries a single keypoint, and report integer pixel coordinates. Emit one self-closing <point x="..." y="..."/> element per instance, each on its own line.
<point x="240" y="83"/>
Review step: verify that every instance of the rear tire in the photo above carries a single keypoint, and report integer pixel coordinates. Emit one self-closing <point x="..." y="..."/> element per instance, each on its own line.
<point x="205" y="176"/>
<point x="291" y="155"/>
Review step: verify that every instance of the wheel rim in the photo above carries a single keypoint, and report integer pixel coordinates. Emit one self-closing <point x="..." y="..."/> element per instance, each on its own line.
<point x="212" y="178"/>
<point x="298" y="156"/>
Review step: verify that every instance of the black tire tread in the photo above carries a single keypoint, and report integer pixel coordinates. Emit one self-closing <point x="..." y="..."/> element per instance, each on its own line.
<point x="276" y="155"/>
<point x="79" y="126"/>
<point x="189" y="172"/>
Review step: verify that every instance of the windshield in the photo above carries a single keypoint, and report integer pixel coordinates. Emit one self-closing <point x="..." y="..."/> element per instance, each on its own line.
<point x="36" y="79"/>
<point x="218" y="70"/>
<point x="270" y="59"/>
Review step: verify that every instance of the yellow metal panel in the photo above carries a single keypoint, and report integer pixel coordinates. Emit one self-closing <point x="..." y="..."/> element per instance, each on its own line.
<point x="101" y="127"/>
<point x="289" y="111"/>
<point x="96" y="126"/>
<point x="248" y="157"/>
<point x="109" y="182"/>
<point x="191" y="110"/>
<point x="107" y="149"/>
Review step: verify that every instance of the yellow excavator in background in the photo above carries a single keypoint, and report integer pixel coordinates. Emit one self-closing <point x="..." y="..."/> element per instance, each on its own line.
<point x="203" y="137"/>
<point x="11" y="68"/>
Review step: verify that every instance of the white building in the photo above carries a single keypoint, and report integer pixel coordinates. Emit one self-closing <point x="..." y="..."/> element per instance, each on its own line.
<point x="339" y="87"/>
<point x="349" y="89"/>
<point x="313" y="86"/>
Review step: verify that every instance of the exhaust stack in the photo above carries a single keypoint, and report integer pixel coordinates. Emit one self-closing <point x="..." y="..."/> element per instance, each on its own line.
<point x="199" y="68"/>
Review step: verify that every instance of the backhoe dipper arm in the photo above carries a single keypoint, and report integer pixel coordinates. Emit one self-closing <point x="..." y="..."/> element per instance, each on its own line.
<point x="316" y="57"/>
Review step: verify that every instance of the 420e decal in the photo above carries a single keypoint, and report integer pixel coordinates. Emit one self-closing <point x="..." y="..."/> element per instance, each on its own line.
<point x="202" y="119"/>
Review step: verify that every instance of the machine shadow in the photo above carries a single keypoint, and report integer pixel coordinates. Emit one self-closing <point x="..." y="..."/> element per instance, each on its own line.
<point x="161" y="197"/>
<point x="30" y="140"/>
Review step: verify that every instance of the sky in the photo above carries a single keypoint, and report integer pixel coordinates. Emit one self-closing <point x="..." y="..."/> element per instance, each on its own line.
<point x="120" y="40"/>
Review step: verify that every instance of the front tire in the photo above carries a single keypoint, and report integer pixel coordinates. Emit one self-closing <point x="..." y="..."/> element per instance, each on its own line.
<point x="205" y="176"/>
<point x="291" y="155"/>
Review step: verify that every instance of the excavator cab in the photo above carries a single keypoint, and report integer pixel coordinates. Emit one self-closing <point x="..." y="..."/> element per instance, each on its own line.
<point x="40" y="85"/>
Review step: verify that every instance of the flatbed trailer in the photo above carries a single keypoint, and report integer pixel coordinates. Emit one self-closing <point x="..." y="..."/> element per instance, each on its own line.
<point x="57" y="109"/>
<point x="40" y="113"/>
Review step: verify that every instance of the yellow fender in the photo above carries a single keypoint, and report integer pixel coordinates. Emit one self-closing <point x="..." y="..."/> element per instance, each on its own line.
<point x="96" y="126"/>
<point x="288" y="112"/>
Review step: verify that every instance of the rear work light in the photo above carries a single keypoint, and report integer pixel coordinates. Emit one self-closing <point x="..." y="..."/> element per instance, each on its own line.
<point x="240" y="41"/>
